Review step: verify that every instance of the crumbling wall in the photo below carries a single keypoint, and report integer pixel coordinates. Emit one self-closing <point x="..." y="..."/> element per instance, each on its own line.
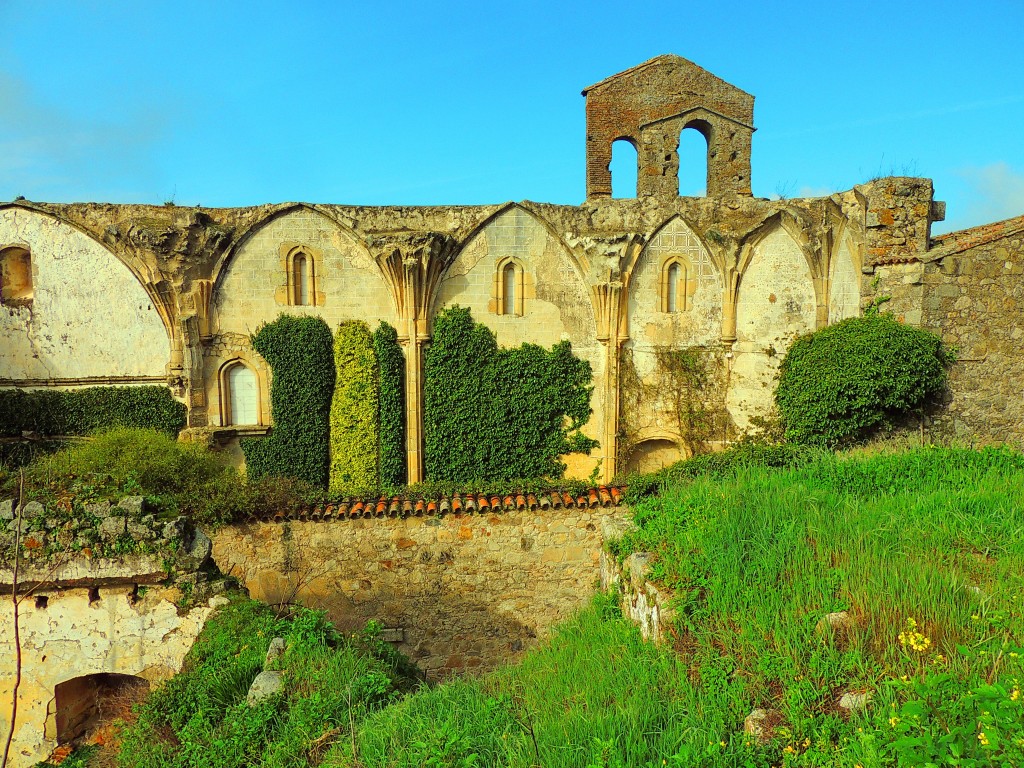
<point x="88" y="318"/>
<point x="103" y="589"/>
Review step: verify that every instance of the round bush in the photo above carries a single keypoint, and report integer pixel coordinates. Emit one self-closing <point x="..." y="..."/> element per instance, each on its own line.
<point x="838" y="384"/>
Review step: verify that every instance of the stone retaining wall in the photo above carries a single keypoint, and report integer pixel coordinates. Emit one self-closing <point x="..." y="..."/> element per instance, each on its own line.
<point x="455" y="592"/>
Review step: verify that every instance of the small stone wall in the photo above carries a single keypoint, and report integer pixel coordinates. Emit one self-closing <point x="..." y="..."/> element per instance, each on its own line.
<point x="644" y="603"/>
<point x="456" y="592"/>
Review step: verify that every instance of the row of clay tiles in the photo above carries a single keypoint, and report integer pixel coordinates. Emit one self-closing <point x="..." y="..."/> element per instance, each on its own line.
<point x="459" y="503"/>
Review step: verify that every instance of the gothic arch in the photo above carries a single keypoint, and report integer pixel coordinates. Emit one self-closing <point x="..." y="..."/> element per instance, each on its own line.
<point x="224" y="260"/>
<point x="141" y="272"/>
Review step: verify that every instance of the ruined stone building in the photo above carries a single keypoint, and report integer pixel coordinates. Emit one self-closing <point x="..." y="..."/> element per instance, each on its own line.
<point x="129" y="294"/>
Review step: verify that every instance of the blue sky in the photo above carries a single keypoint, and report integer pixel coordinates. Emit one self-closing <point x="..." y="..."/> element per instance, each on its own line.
<point x="225" y="104"/>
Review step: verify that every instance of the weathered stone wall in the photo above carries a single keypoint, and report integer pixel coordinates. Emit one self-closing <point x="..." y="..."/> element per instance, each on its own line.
<point x="88" y="317"/>
<point x="973" y="296"/>
<point x="467" y="591"/>
<point x="80" y="632"/>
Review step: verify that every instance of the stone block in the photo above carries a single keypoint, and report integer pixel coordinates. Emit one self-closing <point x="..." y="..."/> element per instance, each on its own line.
<point x="266" y="685"/>
<point x="112" y="527"/>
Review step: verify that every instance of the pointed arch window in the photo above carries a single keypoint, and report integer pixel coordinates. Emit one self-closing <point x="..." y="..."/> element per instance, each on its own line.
<point x="508" y="281"/>
<point x="15" y="276"/>
<point x="677" y="285"/>
<point x="301" y="279"/>
<point x="239" y="395"/>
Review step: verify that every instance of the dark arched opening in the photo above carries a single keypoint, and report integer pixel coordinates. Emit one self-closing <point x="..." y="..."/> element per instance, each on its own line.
<point x="624" y="168"/>
<point x="82" y="704"/>
<point x="693" y="159"/>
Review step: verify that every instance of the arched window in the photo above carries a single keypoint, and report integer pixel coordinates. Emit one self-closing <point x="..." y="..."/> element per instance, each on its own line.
<point x="677" y="285"/>
<point x="301" y="279"/>
<point x="693" y="159"/>
<point x="623" y="168"/>
<point x="508" y="299"/>
<point x="15" y="276"/>
<point x="240" y="396"/>
<point x="672" y="297"/>
<point x="508" y="284"/>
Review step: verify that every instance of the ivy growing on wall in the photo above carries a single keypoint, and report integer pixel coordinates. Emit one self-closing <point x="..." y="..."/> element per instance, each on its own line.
<point x="685" y="392"/>
<point x="81" y="411"/>
<point x="300" y="353"/>
<point x="354" y="410"/>
<point x="500" y="414"/>
<point x="838" y="384"/>
<point x="391" y="405"/>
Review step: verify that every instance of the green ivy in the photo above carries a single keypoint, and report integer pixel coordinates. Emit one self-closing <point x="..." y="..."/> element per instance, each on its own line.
<point x="838" y="384"/>
<point x="300" y="353"/>
<point x="391" y="404"/>
<point x="81" y="411"/>
<point x="354" y="417"/>
<point x="499" y="414"/>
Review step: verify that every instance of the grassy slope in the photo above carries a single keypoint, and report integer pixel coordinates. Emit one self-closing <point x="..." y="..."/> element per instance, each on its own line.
<point x="756" y="557"/>
<point x="933" y="536"/>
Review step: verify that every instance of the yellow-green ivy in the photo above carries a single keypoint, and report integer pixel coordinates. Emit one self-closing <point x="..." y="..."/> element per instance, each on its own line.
<point x="354" y="415"/>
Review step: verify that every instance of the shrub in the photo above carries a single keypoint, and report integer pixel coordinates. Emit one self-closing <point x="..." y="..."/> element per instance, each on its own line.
<point x="300" y="353"/>
<point x="354" y="417"/>
<point x="81" y="411"/>
<point x="838" y="384"/>
<point x="498" y="414"/>
<point x="178" y="478"/>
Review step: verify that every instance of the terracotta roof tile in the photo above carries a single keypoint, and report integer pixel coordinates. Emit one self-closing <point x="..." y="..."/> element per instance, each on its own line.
<point x="457" y="504"/>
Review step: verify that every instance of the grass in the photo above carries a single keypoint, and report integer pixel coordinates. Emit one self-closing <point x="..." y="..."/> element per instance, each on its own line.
<point x="924" y="549"/>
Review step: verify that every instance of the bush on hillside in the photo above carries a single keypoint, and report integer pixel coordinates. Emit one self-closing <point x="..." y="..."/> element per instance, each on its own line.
<point x="839" y="384"/>
<point x="176" y="478"/>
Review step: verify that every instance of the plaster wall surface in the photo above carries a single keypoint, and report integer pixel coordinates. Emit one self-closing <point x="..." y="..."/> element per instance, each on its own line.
<point x="468" y="591"/>
<point x="72" y="637"/>
<point x="844" y="284"/>
<point x="776" y="303"/>
<point x="89" y="315"/>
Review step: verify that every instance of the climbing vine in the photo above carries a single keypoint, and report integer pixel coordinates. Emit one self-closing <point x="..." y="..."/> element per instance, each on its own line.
<point x="684" y="394"/>
<point x="499" y="414"/>
<point x="838" y="384"/>
<point x="81" y="411"/>
<point x="391" y="405"/>
<point x="354" y="418"/>
<point x="300" y="353"/>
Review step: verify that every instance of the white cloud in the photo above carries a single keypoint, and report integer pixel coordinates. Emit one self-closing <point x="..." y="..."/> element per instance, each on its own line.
<point x="998" y="193"/>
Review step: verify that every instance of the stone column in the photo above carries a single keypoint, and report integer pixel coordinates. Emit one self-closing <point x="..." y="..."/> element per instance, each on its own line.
<point x="412" y="265"/>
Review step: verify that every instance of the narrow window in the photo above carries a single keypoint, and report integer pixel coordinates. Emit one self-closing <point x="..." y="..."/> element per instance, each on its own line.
<point x="508" y="295"/>
<point x="623" y="168"/>
<point x="672" y="289"/>
<point x="301" y="279"/>
<point x="15" y="276"/>
<point x="242" y="396"/>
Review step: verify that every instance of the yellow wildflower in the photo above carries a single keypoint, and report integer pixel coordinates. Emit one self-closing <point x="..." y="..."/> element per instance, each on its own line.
<point x="983" y="739"/>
